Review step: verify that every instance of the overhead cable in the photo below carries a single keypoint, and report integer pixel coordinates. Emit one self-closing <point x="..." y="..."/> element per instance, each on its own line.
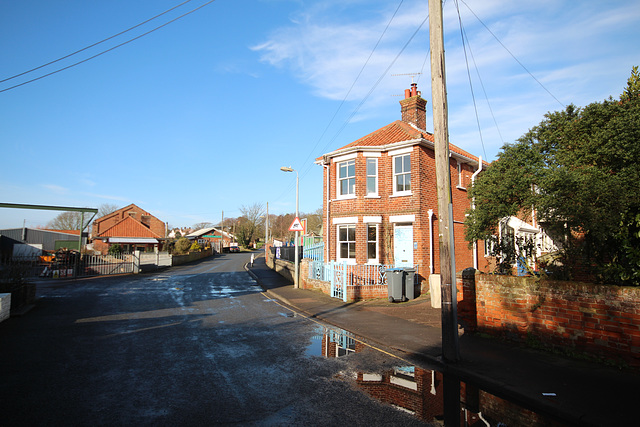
<point x="107" y="50"/>
<point x="94" y="44"/>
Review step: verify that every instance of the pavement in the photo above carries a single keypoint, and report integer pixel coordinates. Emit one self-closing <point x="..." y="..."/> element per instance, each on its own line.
<point x="570" y="391"/>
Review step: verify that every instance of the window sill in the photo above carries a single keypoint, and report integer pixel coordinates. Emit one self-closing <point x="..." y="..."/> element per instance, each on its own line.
<point x="348" y="197"/>
<point x="372" y="196"/>
<point x="408" y="193"/>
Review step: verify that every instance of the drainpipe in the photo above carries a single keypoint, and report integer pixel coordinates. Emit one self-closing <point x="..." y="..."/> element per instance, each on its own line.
<point x="430" y="241"/>
<point x="327" y="232"/>
<point x="473" y="206"/>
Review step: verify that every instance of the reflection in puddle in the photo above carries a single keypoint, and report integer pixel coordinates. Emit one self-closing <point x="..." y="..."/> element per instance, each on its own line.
<point x="427" y="394"/>
<point x="331" y="343"/>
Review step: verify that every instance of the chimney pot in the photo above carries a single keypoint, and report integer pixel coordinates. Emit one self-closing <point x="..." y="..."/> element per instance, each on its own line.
<point x="413" y="107"/>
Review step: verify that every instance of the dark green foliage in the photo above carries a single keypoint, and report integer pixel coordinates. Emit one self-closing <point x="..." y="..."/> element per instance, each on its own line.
<point x="115" y="249"/>
<point x="245" y="232"/>
<point x="580" y="170"/>
<point x="181" y="246"/>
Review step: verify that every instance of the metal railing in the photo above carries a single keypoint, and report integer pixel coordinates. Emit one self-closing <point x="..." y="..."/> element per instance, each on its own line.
<point x="65" y="266"/>
<point x="356" y="274"/>
<point x="314" y="252"/>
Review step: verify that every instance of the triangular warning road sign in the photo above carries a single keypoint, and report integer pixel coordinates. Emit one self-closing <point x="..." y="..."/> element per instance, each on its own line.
<point x="296" y="225"/>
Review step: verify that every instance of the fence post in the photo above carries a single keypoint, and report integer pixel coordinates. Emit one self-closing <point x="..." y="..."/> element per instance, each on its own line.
<point x="344" y="281"/>
<point x="136" y="262"/>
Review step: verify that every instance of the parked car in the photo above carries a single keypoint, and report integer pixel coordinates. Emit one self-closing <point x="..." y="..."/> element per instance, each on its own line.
<point x="233" y="247"/>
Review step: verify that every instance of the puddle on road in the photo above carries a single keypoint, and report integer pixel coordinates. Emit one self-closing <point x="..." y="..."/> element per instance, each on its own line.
<point x="330" y="342"/>
<point x="429" y="395"/>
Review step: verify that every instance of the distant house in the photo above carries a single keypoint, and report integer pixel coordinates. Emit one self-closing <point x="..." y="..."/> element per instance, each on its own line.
<point x="521" y="234"/>
<point x="380" y="198"/>
<point x="204" y="236"/>
<point x="176" y="233"/>
<point x="30" y="242"/>
<point x="130" y="227"/>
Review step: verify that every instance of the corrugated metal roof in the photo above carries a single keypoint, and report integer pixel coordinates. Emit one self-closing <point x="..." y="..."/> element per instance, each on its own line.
<point x="47" y="238"/>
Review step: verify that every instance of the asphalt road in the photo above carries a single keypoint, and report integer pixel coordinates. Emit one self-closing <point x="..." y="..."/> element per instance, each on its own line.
<point x="193" y="345"/>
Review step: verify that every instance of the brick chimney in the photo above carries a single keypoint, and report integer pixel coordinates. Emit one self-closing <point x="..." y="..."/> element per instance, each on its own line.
<point x="413" y="108"/>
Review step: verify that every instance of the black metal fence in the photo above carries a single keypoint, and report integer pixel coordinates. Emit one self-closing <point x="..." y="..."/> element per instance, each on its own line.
<point x="64" y="265"/>
<point x="287" y="253"/>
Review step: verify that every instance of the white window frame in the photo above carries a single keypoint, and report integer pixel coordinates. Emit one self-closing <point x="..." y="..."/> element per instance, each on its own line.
<point x="396" y="174"/>
<point x="377" y="243"/>
<point x="490" y="246"/>
<point x="339" y="243"/>
<point x="460" y="186"/>
<point x="339" y="179"/>
<point x="375" y="177"/>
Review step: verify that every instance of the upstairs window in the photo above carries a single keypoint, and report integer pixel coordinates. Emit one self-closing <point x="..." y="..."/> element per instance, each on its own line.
<point x="347" y="178"/>
<point x="402" y="174"/>
<point x="372" y="177"/>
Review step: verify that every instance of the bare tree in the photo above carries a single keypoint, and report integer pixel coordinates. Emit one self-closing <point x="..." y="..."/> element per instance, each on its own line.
<point x="249" y="223"/>
<point x="106" y="209"/>
<point x="254" y="213"/>
<point x="314" y="221"/>
<point x="280" y="227"/>
<point x="67" y="221"/>
<point x="202" y="225"/>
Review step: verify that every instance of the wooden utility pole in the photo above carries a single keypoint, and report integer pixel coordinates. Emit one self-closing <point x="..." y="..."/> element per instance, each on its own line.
<point x="450" y="347"/>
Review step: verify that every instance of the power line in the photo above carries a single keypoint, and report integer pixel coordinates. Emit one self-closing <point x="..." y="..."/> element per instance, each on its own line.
<point x="354" y="81"/>
<point x="107" y="50"/>
<point x="355" y="110"/>
<point x="466" y="60"/>
<point x="512" y="55"/>
<point x="287" y="189"/>
<point x="486" y="97"/>
<point x="94" y="44"/>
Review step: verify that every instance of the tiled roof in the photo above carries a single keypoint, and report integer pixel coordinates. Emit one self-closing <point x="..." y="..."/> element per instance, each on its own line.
<point x="119" y="212"/>
<point x="398" y="131"/>
<point x="128" y="227"/>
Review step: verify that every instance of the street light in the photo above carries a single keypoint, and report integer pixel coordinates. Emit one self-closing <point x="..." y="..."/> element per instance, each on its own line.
<point x="297" y="261"/>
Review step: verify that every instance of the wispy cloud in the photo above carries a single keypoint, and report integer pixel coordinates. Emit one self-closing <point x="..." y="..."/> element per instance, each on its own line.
<point x="566" y="46"/>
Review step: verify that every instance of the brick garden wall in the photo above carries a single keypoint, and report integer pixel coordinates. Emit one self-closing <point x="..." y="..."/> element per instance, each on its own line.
<point x="597" y="319"/>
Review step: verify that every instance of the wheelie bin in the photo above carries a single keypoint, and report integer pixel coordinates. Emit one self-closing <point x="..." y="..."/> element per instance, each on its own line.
<point x="409" y="282"/>
<point x="395" y="279"/>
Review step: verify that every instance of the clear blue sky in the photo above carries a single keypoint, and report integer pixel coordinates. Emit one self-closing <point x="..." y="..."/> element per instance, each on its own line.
<point x="198" y="116"/>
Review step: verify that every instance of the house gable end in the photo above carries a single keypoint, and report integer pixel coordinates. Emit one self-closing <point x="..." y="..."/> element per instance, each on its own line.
<point x="129" y="227"/>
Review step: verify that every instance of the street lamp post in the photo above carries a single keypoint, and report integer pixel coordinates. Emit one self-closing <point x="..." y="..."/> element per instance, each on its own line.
<point x="297" y="260"/>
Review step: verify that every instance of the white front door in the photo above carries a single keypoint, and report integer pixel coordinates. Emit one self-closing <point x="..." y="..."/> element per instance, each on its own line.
<point x="403" y="245"/>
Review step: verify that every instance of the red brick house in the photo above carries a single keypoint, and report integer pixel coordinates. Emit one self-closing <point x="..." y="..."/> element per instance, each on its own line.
<point x="380" y="203"/>
<point x="130" y="227"/>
